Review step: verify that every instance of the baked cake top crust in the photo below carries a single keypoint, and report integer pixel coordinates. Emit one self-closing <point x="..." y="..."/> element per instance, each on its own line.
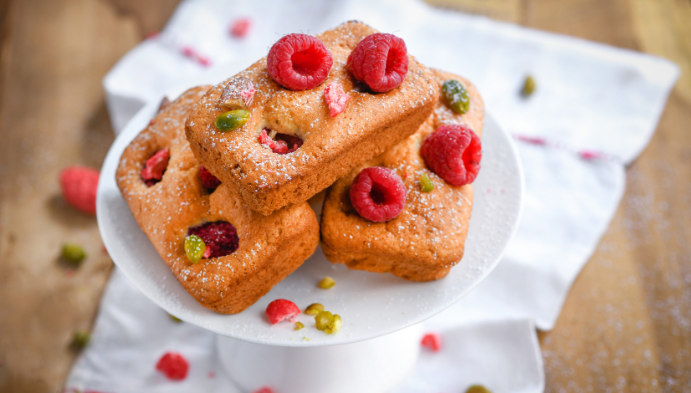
<point x="432" y="226"/>
<point x="303" y="114"/>
<point x="168" y="208"/>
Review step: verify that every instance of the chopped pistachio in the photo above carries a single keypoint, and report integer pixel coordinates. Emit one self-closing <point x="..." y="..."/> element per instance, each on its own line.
<point x="194" y="248"/>
<point x="174" y="318"/>
<point x="80" y="339"/>
<point x="324" y="320"/>
<point x="314" y="309"/>
<point x="477" y="389"/>
<point x="73" y="254"/>
<point x="232" y="120"/>
<point x="456" y="96"/>
<point x="528" y="86"/>
<point x="338" y="322"/>
<point x="326" y="283"/>
<point x="328" y="323"/>
<point x="299" y="325"/>
<point x="426" y="184"/>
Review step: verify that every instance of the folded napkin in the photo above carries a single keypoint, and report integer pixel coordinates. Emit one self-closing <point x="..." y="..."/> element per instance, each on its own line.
<point x="593" y="111"/>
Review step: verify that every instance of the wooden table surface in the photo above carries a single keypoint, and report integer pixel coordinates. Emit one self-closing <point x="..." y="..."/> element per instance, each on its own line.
<point x="626" y="325"/>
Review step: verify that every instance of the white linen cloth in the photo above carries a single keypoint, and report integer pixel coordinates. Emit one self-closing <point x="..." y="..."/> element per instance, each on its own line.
<point x="589" y="97"/>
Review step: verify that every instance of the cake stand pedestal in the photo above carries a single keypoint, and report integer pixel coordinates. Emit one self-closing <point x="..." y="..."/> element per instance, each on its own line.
<point x="378" y="365"/>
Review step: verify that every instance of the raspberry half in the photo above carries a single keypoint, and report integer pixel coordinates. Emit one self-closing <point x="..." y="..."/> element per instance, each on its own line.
<point x="221" y="238"/>
<point x="378" y="194"/>
<point x="153" y="170"/>
<point x="173" y="365"/>
<point x="282" y="144"/>
<point x="208" y="180"/>
<point x="79" y="185"/>
<point x="299" y="62"/>
<point x="380" y="60"/>
<point x="453" y="152"/>
<point x="432" y="341"/>
<point x="335" y="98"/>
<point x="281" y="310"/>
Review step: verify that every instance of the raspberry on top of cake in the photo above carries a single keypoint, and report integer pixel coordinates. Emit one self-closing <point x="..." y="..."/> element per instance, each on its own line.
<point x="300" y="133"/>
<point x="222" y="252"/>
<point x="427" y="236"/>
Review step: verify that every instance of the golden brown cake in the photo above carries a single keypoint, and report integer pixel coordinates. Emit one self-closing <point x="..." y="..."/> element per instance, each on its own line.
<point x="270" y="247"/>
<point x="428" y="237"/>
<point x="370" y="124"/>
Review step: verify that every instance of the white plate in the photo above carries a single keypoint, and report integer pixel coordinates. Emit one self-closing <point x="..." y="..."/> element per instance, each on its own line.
<point x="370" y="304"/>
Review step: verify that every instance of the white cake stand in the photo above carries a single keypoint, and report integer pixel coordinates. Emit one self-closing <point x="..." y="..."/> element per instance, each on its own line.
<point x="379" y="341"/>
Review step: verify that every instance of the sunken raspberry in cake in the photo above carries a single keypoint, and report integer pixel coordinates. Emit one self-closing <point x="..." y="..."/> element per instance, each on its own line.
<point x="222" y="252"/>
<point x="314" y="114"/>
<point x="427" y="237"/>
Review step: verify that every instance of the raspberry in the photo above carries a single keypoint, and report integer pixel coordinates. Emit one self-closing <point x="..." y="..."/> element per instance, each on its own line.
<point x="335" y="98"/>
<point x="173" y="365"/>
<point x="378" y="194"/>
<point x="240" y="27"/>
<point x="453" y="152"/>
<point x="380" y="60"/>
<point x="79" y="185"/>
<point x="299" y="62"/>
<point x="221" y="238"/>
<point x="155" y="166"/>
<point x="281" y="310"/>
<point x="431" y="341"/>
<point x="208" y="180"/>
<point x="281" y="144"/>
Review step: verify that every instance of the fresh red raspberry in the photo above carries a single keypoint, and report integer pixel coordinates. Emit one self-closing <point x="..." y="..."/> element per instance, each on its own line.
<point x="335" y="98"/>
<point x="155" y="166"/>
<point x="79" y="185"/>
<point x="241" y="27"/>
<point x="208" y="180"/>
<point x="281" y="144"/>
<point x="378" y="194"/>
<point x="453" y="152"/>
<point x="221" y="238"/>
<point x="299" y="62"/>
<point x="265" y="389"/>
<point x="432" y="341"/>
<point x="380" y="60"/>
<point x="173" y="365"/>
<point x="281" y="310"/>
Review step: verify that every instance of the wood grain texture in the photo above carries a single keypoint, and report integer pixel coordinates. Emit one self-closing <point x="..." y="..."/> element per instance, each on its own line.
<point x="626" y="325"/>
<point x="52" y="114"/>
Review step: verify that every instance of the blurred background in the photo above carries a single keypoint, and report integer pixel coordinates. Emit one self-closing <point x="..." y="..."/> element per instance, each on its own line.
<point x="626" y="324"/>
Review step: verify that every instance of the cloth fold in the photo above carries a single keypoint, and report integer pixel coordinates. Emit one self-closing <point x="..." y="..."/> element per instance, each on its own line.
<point x="594" y="110"/>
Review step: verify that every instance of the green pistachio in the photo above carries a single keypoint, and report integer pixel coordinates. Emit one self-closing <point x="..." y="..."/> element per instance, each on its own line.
<point x="232" y="120"/>
<point x="324" y="320"/>
<point x="72" y="253"/>
<point x="326" y="283"/>
<point x="314" y="309"/>
<point x="477" y="389"/>
<point x="456" y="96"/>
<point x="80" y="339"/>
<point x="528" y="86"/>
<point x="194" y="248"/>
<point x="426" y="184"/>
<point x="174" y="318"/>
